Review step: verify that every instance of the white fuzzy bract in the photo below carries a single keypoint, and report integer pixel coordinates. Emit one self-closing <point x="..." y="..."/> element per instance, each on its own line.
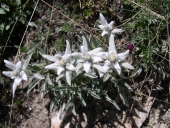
<point x="62" y="64"/>
<point x="18" y="72"/>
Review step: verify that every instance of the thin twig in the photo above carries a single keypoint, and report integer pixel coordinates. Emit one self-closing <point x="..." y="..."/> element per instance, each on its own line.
<point x="169" y="55"/>
<point x="129" y="19"/>
<point x="8" y="39"/>
<point x="147" y="9"/>
<point x="26" y="28"/>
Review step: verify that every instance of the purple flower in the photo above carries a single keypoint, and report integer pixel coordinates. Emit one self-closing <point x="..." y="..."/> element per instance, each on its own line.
<point x="131" y="46"/>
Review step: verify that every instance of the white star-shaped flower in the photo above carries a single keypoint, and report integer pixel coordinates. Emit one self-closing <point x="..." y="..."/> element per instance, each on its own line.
<point x="107" y="28"/>
<point x="62" y="64"/>
<point x="87" y="59"/>
<point x="113" y="60"/>
<point x="18" y="72"/>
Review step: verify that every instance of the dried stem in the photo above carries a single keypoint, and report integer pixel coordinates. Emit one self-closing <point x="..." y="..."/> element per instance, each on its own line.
<point x="147" y="9"/>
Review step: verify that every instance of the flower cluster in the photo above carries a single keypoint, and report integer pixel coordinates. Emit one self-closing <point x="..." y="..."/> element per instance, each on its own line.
<point x="69" y="65"/>
<point x="88" y="60"/>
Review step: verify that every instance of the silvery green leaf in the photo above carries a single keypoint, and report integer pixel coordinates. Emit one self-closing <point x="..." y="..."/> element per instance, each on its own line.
<point x="49" y="80"/>
<point x="68" y="77"/>
<point x="32" y="50"/>
<point x="112" y="101"/>
<point x="123" y="96"/>
<point x="91" y="75"/>
<point x="93" y="93"/>
<point x="38" y="76"/>
<point x="81" y="98"/>
<point x="32" y="85"/>
<point x="60" y="76"/>
<point x="73" y="109"/>
<point x="26" y="62"/>
<point x="135" y="74"/>
<point x="43" y="89"/>
<point x="126" y="85"/>
<point x="52" y="104"/>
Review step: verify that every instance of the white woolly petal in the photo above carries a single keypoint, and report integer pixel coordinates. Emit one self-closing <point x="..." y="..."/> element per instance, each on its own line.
<point x="26" y="62"/>
<point x="23" y="75"/>
<point x="96" y="59"/>
<point x="111" y="43"/>
<point x="101" y="27"/>
<point x="85" y="46"/>
<point x="50" y="58"/>
<point x="99" y="68"/>
<point x="127" y="65"/>
<point x="117" y="67"/>
<point x="87" y="66"/>
<point x="103" y="20"/>
<point x="70" y="67"/>
<point x="18" y="64"/>
<point x="101" y="74"/>
<point x="60" y="70"/>
<point x="8" y="73"/>
<point x="79" y="66"/>
<point x="106" y="67"/>
<point x="68" y="49"/>
<point x="10" y="65"/>
<point x="52" y="66"/>
<point x="110" y="25"/>
<point x="58" y="56"/>
<point x="116" y="30"/>
<point x="123" y="56"/>
<point x="94" y="51"/>
<point x="103" y="55"/>
<point x="68" y="77"/>
<point x="17" y="81"/>
<point x="77" y="54"/>
<point x="67" y="57"/>
<point x="104" y="33"/>
<point x="80" y="61"/>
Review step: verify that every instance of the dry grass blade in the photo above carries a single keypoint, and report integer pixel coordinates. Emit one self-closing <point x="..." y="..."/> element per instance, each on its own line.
<point x="147" y="9"/>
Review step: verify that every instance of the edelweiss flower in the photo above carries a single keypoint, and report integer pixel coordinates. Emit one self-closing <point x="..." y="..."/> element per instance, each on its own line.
<point x="113" y="60"/>
<point x="62" y="64"/>
<point x="87" y="59"/>
<point x="107" y="28"/>
<point x="17" y="73"/>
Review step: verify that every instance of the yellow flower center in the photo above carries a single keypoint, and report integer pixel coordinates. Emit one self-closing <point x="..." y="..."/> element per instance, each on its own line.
<point x="106" y="27"/>
<point x="62" y="63"/>
<point x="88" y="57"/>
<point x="112" y="57"/>
<point x="15" y="72"/>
